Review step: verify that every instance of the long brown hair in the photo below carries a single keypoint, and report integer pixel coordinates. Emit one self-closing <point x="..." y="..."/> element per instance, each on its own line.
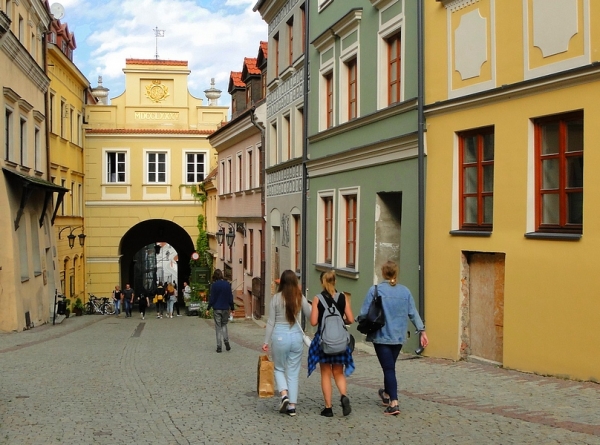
<point x="290" y="292"/>
<point x="328" y="282"/>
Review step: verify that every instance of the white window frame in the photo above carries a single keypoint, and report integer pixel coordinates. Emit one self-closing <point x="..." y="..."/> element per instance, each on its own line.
<point x="23" y="130"/>
<point x="239" y="168"/>
<point x="37" y="143"/>
<point x="222" y="179"/>
<point x="156" y="151"/>
<point x="341" y="226"/>
<point x="9" y="133"/>
<point x="250" y="175"/>
<point x="386" y="30"/>
<point x="184" y="167"/>
<point x="321" y="233"/>
<point x="325" y="70"/>
<point x="105" y="152"/>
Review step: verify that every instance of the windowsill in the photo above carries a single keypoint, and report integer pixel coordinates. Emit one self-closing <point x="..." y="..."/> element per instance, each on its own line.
<point x="249" y="192"/>
<point x="554" y="236"/>
<point x="240" y="193"/>
<point x="481" y="233"/>
<point x="341" y="271"/>
<point x="287" y="73"/>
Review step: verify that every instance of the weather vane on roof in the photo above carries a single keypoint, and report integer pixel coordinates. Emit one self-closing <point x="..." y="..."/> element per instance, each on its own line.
<point x="158" y="33"/>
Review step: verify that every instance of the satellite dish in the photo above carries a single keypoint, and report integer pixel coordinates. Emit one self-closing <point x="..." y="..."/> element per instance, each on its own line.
<point x="57" y="10"/>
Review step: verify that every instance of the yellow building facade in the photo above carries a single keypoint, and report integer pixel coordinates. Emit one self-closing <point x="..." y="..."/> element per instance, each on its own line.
<point x="68" y="94"/>
<point x="512" y="228"/>
<point x="28" y="260"/>
<point x="145" y="153"/>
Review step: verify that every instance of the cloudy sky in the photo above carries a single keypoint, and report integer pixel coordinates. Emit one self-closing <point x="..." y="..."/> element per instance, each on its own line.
<point x="214" y="36"/>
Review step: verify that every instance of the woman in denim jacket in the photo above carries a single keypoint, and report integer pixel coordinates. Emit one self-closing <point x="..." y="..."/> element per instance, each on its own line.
<point x="398" y="306"/>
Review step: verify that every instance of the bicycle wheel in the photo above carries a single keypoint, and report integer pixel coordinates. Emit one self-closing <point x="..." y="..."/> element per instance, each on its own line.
<point x="89" y="308"/>
<point x="108" y="308"/>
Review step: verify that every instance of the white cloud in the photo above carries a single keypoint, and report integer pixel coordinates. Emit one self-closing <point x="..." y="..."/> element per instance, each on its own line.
<point x="214" y="36"/>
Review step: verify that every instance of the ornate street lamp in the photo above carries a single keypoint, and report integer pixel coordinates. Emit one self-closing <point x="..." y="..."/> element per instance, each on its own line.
<point x="71" y="238"/>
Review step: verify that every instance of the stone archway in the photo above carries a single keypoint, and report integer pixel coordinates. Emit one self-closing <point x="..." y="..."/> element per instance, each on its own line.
<point x="150" y="232"/>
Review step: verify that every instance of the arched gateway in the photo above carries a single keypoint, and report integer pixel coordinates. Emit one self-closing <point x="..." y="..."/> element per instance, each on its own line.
<point x="138" y="260"/>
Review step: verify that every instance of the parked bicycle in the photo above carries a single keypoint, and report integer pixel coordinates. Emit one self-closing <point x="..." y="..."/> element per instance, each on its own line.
<point x="97" y="305"/>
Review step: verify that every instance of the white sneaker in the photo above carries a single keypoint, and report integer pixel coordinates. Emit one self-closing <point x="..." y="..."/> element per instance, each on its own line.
<point x="179" y="315"/>
<point x="143" y="317"/>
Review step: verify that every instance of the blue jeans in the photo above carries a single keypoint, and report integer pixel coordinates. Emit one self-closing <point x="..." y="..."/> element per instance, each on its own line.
<point x="128" y="308"/>
<point x="170" y="304"/>
<point x="287" y="345"/>
<point x="387" y="355"/>
<point x="117" y="306"/>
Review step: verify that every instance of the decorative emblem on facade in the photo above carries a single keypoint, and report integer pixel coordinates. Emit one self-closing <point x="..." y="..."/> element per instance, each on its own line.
<point x="156" y="91"/>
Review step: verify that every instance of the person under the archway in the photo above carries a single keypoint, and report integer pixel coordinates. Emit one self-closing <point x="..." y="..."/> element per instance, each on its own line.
<point x="221" y="300"/>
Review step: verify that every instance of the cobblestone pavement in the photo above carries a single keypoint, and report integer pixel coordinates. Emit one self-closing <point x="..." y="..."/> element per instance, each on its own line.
<point x="109" y="380"/>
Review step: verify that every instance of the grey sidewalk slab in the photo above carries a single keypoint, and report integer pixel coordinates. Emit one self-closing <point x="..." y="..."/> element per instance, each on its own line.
<point x="109" y="380"/>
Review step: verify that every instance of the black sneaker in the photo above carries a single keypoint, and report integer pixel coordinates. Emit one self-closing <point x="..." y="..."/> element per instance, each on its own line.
<point x="284" y="404"/>
<point x="327" y="412"/>
<point x="291" y="412"/>
<point x="227" y="347"/>
<point x="392" y="410"/>
<point x="385" y="400"/>
<point x="218" y="349"/>
<point x="346" y="408"/>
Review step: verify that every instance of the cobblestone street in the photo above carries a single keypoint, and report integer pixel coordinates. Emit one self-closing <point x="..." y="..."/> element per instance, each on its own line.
<point x="109" y="380"/>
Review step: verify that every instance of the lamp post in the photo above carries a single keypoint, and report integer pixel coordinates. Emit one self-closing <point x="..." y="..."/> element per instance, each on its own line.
<point x="71" y="238"/>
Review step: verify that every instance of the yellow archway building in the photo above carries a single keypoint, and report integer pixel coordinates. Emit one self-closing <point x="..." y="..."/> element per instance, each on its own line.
<point x="145" y="152"/>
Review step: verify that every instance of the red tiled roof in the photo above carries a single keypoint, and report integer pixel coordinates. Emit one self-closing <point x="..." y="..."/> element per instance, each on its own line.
<point x="250" y="65"/>
<point x="156" y="62"/>
<point x="264" y="47"/>
<point x="146" y="131"/>
<point x="236" y="78"/>
<point x="212" y="174"/>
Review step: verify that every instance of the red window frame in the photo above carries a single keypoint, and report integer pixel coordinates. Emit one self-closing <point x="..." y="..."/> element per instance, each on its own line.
<point x="480" y="164"/>
<point x="394" y="67"/>
<point x="276" y="41"/>
<point x="568" y="166"/>
<point x="290" y="29"/>
<point x="351" y="221"/>
<point x="328" y="223"/>
<point x="329" y="98"/>
<point x="352" y="89"/>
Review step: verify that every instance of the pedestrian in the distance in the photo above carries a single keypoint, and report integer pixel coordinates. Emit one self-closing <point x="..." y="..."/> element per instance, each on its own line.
<point x="117" y="295"/>
<point x="285" y="334"/>
<point x="187" y="293"/>
<point x="337" y="366"/>
<point x="128" y="295"/>
<point x="159" y="299"/>
<point x="177" y="299"/>
<point x="398" y="307"/>
<point x="143" y="303"/>
<point x="171" y="298"/>
<point x="221" y="300"/>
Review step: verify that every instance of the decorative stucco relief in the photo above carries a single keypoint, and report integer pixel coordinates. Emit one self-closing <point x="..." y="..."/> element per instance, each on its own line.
<point x="470" y="45"/>
<point x="455" y="5"/>
<point x="284" y="182"/>
<point x="554" y="23"/>
<point x="286" y="93"/>
<point x="283" y="12"/>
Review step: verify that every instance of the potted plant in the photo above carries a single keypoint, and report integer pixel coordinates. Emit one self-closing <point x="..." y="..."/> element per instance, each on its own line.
<point x="78" y="307"/>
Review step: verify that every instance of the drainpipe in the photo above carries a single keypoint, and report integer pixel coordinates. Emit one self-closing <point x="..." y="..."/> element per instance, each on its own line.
<point x="421" y="154"/>
<point x="263" y="262"/>
<point x="304" y="214"/>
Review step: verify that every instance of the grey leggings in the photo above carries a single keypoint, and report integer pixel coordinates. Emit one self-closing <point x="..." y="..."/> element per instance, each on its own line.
<point x="221" y="317"/>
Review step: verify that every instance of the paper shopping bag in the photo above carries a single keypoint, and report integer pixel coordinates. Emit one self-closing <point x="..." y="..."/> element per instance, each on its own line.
<point x="265" y="379"/>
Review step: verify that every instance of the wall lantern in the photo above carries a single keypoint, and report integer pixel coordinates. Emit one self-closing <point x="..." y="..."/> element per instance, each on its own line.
<point x="71" y="238"/>
<point x="229" y="237"/>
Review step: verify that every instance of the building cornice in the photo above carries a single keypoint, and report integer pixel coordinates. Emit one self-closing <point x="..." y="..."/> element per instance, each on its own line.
<point x="26" y="63"/>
